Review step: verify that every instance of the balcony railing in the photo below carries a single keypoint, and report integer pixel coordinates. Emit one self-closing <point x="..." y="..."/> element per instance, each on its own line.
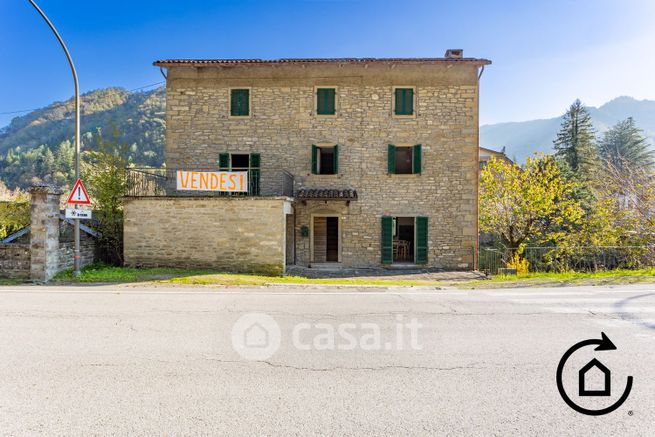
<point x="162" y="182"/>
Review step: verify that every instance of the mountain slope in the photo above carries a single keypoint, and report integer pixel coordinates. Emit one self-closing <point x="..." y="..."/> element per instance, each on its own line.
<point x="522" y="139"/>
<point x="28" y="141"/>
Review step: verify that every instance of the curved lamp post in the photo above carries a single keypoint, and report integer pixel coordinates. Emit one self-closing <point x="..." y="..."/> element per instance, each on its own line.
<point x="76" y="259"/>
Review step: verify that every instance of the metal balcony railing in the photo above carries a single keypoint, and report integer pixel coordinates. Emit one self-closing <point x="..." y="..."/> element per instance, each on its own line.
<point x="162" y="182"/>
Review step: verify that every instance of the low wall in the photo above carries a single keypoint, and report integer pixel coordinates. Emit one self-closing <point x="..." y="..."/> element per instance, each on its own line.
<point x="235" y="234"/>
<point x="67" y="251"/>
<point x="15" y="260"/>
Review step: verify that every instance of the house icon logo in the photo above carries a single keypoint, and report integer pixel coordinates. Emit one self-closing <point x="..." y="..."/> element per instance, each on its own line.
<point x="594" y="378"/>
<point x="256" y="336"/>
<point x="594" y="366"/>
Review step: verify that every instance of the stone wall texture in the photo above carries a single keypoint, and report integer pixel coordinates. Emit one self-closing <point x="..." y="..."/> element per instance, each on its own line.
<point x="15" y="261"/>
<point x="67" y="251"/>
<point x="283" y="126"/>
<point x="44" y="232"/>
<point x="235" y="234"/>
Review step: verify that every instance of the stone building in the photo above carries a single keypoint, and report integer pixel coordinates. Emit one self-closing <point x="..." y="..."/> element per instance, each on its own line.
<point x="352" y="162"/>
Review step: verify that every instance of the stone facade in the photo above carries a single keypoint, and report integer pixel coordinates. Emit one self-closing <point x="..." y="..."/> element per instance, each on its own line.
<point x="44" y="232"/>
<point x="238" y="234"/>
<point x="14" y="260"/>
<point x="283" y="126"/>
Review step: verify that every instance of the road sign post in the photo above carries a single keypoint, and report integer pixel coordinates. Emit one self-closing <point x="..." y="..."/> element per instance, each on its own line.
<point x="78" y="196"/>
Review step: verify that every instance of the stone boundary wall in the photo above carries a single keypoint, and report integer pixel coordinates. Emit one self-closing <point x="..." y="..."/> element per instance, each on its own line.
<point x="234" y="234"/>
<point x="15" y="261"/>
<point x="67" y="250"/>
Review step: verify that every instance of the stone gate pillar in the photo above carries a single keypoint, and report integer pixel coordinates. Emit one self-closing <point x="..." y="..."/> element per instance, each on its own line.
<point x="44" y="232"/>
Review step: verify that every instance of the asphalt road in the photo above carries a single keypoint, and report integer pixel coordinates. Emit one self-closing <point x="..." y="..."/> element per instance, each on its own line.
<point x="108" y="360"/>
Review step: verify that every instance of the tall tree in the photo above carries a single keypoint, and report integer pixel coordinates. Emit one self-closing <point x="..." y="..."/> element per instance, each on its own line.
<point x="533" y="204"/>
<point x="104" y="170"/>
<point x="575" y="142"/>
<point x="624" y="147"/>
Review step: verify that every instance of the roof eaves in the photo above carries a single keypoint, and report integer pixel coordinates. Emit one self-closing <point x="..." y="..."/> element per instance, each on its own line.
<point x="262" y="62"/>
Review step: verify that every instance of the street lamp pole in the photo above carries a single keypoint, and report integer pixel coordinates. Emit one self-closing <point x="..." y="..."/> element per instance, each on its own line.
<point x="76" y="259"/>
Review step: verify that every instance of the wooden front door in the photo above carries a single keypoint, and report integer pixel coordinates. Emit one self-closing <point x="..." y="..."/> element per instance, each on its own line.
<point x="326" y="239"/>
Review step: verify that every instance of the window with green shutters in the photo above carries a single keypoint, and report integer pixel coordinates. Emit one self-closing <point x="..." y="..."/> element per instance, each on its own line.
<point x="240" y="102"/>
<point x="404" y="160"/>
<point x="421" y="240"/>
<point x="404" y="101"/>
<point x="243" y="162"/>
<point x="325" y="159"/>
<point x="386" y="240"/>
<point x="326" y="101"/>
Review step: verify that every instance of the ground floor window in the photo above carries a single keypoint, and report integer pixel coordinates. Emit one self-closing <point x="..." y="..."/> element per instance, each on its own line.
<point x="404" y="240"/>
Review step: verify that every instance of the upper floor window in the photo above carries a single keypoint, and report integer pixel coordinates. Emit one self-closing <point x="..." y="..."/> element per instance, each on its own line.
<point x="240" y="102"/>
<point x="404" y="159"/>
<point x="325" y="159"/>
<point x="326" y="101"/>
<point x="403" y="101"/>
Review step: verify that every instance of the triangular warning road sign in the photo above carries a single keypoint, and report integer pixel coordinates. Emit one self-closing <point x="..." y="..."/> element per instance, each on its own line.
<point x="78" y="194"/>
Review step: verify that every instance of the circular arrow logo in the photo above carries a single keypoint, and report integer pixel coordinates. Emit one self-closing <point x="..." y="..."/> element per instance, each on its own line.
<point x="604" y="344"/>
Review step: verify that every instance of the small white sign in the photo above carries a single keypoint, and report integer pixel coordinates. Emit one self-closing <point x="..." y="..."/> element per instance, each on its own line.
<point x="82" y="214"/>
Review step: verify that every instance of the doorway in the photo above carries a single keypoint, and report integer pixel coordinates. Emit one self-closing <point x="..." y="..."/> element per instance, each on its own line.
<point x="326" y="239"/>
<point x="403" y="239"/>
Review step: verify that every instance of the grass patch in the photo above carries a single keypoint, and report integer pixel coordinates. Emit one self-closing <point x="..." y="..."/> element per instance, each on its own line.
<point x="105" y="273"/>
<point x="619" y="276"/>
<point x="240" y="279"/>
<point x="99" y="273"/>
<point x="7" y="281"/>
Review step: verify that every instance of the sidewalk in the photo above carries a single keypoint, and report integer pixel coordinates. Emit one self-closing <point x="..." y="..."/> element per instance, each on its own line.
<point x="385" y="274"/>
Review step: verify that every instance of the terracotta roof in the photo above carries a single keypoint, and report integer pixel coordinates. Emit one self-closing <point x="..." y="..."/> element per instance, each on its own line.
<point x="220" y="62"/>
<point x="326" y="193"/>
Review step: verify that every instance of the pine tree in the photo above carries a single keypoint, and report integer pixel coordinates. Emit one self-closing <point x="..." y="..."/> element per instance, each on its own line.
<point x="624" y="147"/>
<point x="575" y="142"/>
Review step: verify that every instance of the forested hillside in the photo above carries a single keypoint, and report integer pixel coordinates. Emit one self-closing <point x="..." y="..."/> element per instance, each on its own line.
<point x="39" y="147"/>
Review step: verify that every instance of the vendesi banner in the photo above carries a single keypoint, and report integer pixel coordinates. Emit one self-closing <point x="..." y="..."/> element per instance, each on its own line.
<point x="227" y="181"/>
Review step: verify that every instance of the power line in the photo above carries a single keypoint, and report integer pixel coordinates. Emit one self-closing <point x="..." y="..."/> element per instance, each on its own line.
<point x="64" y="104"/>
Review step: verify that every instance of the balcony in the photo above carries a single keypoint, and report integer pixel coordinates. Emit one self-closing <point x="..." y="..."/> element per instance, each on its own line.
<point x="163" y="182"/>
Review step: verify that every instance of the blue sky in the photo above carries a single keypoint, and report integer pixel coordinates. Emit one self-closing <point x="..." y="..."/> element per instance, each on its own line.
<point x="545" y="53"/>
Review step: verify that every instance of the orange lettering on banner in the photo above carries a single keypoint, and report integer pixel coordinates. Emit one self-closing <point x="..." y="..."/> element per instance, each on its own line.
<point x="204" y="180"/>
<point x="211" y="181"/>
<point x="184" y="179"/>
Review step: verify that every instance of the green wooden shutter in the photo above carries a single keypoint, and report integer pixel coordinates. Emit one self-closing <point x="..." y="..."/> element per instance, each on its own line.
<point x="386" y="240"/>
<point x="224" y="161"/>
<point x="399" y="101"/>
<point x="336" y="159"/>
<point x="234" y="103"/>
<point x="314" y="159"/>
<point x="421" y="240"/>
<point x="404" y="98"/>
<point x="239" y="102"/>
<point x="416" y="159"/>
<point x="391" y="159"/>
<point x="255" y="160"/>
<point x="325" y="101"/>
<point x="255" y="173"/>
<point x="409" y="101"/>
